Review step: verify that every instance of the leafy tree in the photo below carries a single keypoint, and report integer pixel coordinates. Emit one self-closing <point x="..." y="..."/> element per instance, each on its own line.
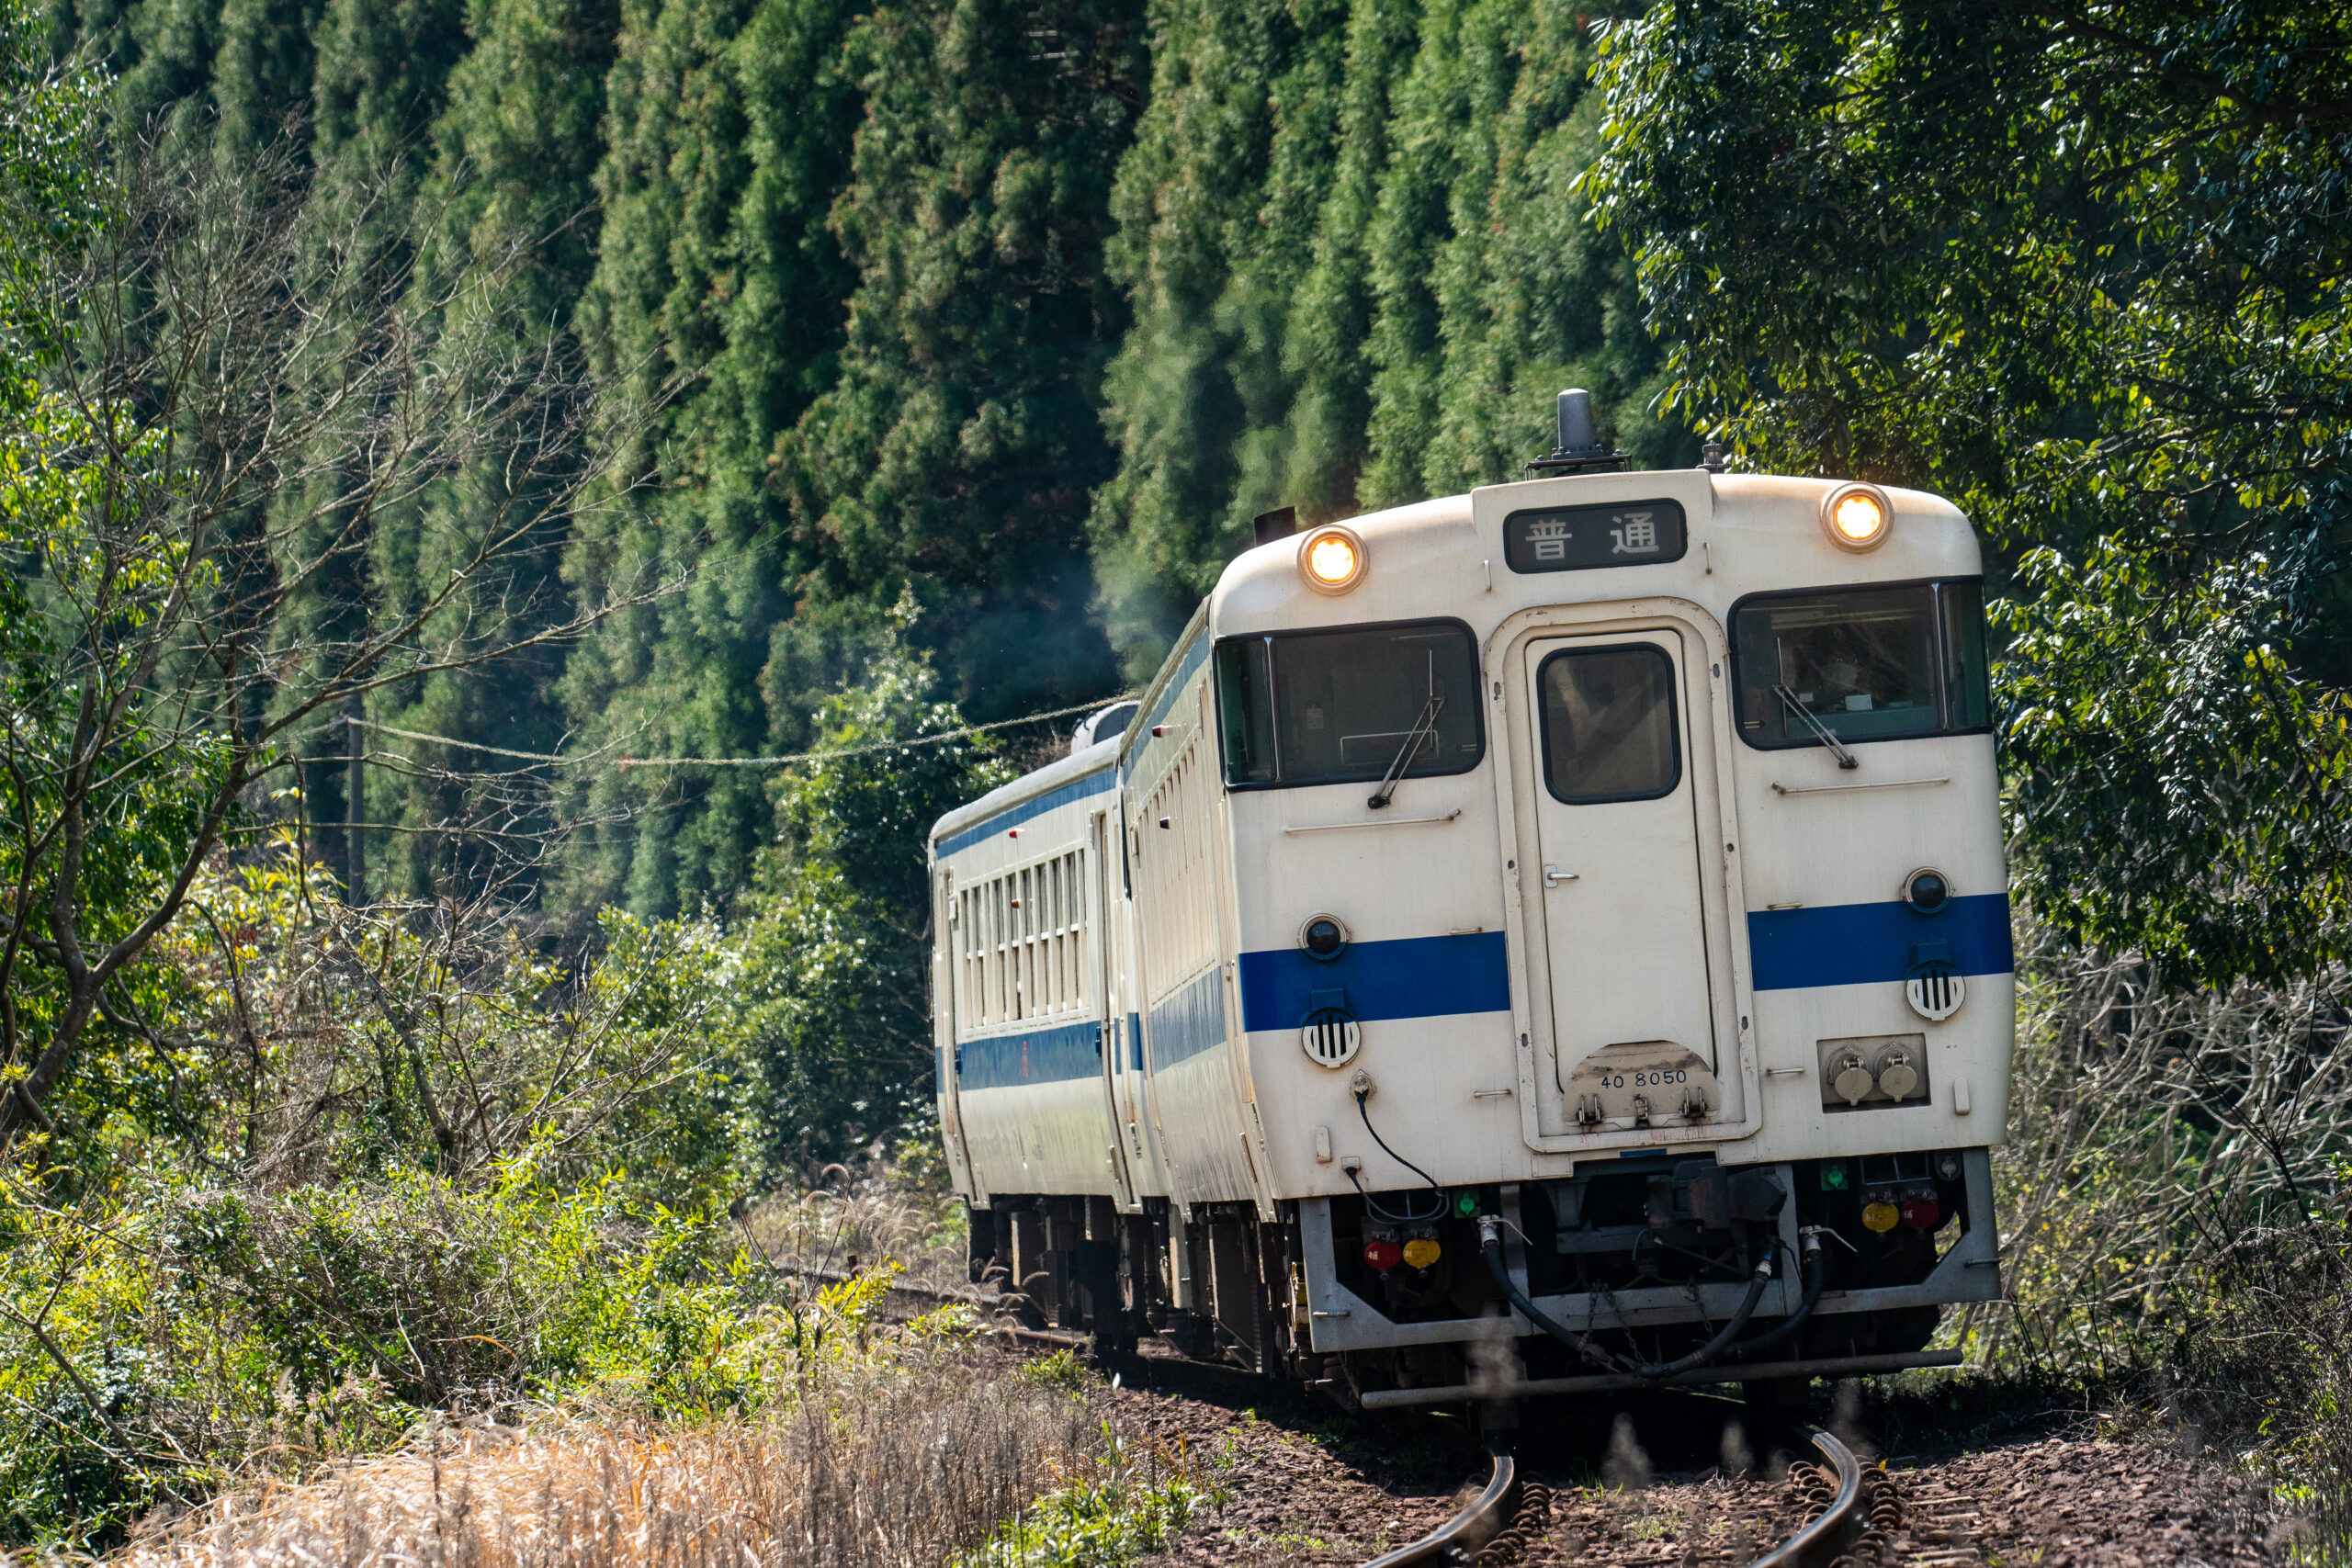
<point x="835" y="981"/>
<point x="2082" y="267"/>
<point x="49" y="203"/>
<point x="152" y="691"/>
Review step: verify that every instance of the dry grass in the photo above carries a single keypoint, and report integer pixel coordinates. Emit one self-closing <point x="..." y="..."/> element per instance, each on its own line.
<point x="2152" y="1133"/>
<point x="904" y="1464"/>
<point x="883" y="1211"/>
<point x="2177" y="1204"/>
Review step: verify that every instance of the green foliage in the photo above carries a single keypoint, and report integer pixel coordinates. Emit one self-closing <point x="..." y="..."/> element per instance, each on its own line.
<point x="196" y="1331"/>
<point x="1123" y="1507"/>
<point x="2083" y="270"/>
<point x="956" y="450"/>
<point x="716" y="275"/>
<point x="49" y="203"/>
<point x="2185" y="783"/>
<point x="1358" y="275"/>
<point x="1060" y="1370"/>
<point x="835" y="984"/>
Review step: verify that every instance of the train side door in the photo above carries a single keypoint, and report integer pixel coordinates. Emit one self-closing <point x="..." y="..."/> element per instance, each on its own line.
<point x="1624" y="922"/>
<point x="945" y="953"/>
<point x="1116" y="1083"/>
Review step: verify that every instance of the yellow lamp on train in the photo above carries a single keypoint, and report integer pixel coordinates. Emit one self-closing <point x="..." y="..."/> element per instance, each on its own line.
<point x="1331" y="559"/>
<point x="1855" y="516"/>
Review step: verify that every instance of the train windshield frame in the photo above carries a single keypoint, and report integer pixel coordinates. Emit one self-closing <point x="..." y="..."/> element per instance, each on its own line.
<point x="1339" y="704"/>
<point x="1864" y="661"/>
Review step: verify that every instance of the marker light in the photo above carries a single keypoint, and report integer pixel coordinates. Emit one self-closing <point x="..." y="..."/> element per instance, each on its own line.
<point x="1922" y="1214"/>
<point x="1882" y="1217"/>
<point x="1324" y="937"/>
<point x="1331" y="559"/>
<point x="1855" y="516"/>
<point x="1928" y="890"/>
<point x="1422" y="1251"/>
<point x="1381" y="1251"/>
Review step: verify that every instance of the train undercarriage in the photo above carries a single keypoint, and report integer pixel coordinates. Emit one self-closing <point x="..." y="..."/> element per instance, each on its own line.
<point x="1379" y="1300"/>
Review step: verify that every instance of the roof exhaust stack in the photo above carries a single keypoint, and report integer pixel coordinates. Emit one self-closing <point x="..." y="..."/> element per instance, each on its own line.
<point x="1279" y="524"/>
<point x="1580" y="449"/>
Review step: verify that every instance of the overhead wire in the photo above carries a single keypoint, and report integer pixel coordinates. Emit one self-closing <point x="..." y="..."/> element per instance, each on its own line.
<point x="937" y="738"/>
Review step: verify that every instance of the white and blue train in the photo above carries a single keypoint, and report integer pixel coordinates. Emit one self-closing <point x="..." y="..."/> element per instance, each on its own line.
<point x="1569" y="916"/>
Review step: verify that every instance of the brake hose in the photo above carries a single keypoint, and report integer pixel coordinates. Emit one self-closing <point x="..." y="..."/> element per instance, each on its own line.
<point x="1730" y="1330"/>
<point x="1490" y="1242"/>
<point x="1816" y="1272"/>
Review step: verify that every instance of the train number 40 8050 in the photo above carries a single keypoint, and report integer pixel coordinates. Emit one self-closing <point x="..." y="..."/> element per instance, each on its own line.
<point x="1645" y="1081"/>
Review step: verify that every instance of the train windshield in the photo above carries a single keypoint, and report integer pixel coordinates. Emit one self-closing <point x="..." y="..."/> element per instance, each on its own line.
<point x="1861" y="663"/>
<point x="1346" y="705"/>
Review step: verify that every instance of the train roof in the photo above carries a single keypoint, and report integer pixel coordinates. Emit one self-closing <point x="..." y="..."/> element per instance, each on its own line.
<point x="1032" y="794"/>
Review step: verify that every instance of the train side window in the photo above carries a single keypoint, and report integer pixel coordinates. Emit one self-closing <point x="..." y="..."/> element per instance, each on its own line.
<point x="1883" y="663"/>
<point x="1609" y="728"/>
<point x="1339" y="706"/>
<point x="1967" y="670"/>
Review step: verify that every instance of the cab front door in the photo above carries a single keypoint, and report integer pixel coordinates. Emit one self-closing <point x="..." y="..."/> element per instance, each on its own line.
<point x="1625" y="926"/>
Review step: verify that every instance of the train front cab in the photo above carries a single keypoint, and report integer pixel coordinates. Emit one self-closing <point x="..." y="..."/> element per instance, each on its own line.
<point x="1716" y="928"/>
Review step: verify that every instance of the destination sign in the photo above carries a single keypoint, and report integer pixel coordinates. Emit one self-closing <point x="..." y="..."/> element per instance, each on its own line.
<point x="1577" y="539"/>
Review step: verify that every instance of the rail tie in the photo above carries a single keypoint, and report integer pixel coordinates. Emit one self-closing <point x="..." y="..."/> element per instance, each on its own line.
<point x="1467" y="1530"/>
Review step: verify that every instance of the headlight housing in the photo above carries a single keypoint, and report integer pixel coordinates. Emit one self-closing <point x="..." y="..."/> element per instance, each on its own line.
<point x="1333" y="559"/>
<point x="1856" y="517"/>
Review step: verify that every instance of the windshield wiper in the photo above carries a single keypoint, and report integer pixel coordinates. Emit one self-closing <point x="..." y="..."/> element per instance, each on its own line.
<point x="1820" y="731"/>
<point x="1423" y="727"/>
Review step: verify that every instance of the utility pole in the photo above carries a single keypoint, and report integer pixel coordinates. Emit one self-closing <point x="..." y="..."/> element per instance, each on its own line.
<point x="354" y="797"/>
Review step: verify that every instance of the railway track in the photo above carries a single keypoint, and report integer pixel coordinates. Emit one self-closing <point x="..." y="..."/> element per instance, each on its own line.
<point x="1859" y="1511"/>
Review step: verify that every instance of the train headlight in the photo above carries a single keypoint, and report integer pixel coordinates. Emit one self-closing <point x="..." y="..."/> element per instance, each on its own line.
<point x="1333" y="559"/>
<point x="1855" y="516"/>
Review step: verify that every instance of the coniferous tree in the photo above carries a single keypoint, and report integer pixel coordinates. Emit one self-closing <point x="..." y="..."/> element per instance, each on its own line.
<point x="1252" y="130"/>
<point x="513" y="148"/>
<point x="958" y="450"/>
<point x="1358" y="276"/>
<point x="1495" y="302"/>
<point x="728" y="130"/>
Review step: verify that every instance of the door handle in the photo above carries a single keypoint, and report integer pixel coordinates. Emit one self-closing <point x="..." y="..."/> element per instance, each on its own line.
<point x="1553" y="877"/>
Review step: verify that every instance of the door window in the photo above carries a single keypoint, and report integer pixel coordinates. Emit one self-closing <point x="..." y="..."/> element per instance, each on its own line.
<point x="1609" y="728"/>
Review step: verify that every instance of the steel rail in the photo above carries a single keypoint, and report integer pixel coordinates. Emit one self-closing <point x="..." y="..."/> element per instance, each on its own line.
<point x="1849" y="1491"/>
<point x="1488" y="1505"/>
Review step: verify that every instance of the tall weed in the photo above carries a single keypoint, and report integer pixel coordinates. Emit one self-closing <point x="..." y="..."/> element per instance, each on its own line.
<point x="2176" y="1201"/>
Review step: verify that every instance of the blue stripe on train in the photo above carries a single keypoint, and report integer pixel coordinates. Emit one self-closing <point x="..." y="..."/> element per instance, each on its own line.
<point x="1013" y="816"/>
<point x="1033" y="1057"/>
<point x="1427" y="977"/>
<point x="1858" y="944"/>
<point x="1187" y="1022"/>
